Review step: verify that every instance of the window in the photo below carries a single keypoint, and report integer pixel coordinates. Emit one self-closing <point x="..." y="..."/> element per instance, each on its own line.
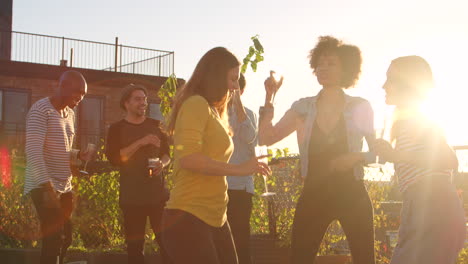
<point x="90" y="119"/>
<point x="154" y="111"/>
<point x="14" y="106"/>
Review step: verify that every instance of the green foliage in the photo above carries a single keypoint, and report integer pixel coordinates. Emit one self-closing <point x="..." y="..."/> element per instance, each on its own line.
<point x="97" y="218"/>
<point x="254" y="56"/>
<point x="18" y="225"/>
<point x="463" y="256"/>
<point x="286" y="182"/>
<point x="166" y="93"/>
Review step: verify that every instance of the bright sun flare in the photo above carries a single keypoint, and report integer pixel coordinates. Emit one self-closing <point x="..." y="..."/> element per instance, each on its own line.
<point x="448" y="108"/>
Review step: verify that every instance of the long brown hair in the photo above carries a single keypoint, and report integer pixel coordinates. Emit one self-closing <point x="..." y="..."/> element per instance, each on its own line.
<point x="209" y="80"/>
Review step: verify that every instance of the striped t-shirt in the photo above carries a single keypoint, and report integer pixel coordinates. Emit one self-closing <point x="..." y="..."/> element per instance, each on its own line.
<point x="49" y="140"/>
<point x="409" y="174"/>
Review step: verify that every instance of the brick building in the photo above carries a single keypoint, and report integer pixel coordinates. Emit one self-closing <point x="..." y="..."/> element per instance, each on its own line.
<point x="31" y="64"/>
<point x="23" y="83"/>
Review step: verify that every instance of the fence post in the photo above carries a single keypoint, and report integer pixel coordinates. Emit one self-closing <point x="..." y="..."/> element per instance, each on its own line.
<point x="71" y="57"/>
<point x="172" y="61"/>
<point x="63" y="48"/>
<point x="159" y="66"/>
<point x="116" y="53"/>
<point x="120" y="66"/>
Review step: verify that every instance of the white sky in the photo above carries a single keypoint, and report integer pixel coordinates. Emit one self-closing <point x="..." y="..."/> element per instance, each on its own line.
<point x="436" y="30"/>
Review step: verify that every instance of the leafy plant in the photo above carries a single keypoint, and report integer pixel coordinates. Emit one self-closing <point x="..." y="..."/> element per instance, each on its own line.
<point x="97" y="218"/>
<point x="254" y="56"/>
<point x="18" y="222"/>
<point x="166" y="93"/>
<point x="463" y="256"/>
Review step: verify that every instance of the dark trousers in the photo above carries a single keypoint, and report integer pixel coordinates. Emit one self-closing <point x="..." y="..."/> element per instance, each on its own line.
<point x="135" y="225"/>
<point x="190" y="240"/>
<point x="319" y="205"/>
<point x="239" y="210"/>
<point x="55" y="224"/>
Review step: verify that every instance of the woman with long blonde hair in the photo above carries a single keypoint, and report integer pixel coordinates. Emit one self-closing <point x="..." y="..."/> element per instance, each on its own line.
<point x="432" y="228"/>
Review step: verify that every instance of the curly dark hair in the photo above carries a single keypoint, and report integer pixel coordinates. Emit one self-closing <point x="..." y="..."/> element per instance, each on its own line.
<point x="349" y="55"/>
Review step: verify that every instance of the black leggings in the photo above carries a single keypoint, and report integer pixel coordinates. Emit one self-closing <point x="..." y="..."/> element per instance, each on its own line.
<point x="188" y="239"/>
<point x="319" y="205"/>
<point x="135" y="226"/>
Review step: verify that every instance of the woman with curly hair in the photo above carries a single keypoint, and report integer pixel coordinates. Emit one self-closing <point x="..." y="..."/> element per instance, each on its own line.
<point x="330" y="130"/>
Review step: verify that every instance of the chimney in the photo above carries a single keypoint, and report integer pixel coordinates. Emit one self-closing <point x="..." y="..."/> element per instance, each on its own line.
<point x="6" y="15"/>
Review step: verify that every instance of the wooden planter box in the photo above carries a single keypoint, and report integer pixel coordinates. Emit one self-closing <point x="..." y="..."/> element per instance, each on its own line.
<point x="265" y="250"/>
<point x="31" y="256"/>
<point x="335" y="259"/>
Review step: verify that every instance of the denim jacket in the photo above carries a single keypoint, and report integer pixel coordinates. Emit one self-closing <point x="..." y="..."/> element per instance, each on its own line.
<point x="245" y="140"/>
<point x="358" y="115"/>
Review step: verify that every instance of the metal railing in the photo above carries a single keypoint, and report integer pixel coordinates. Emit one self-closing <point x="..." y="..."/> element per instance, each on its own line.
<point x="462" y="154"/>
<point x="53" y="50"/>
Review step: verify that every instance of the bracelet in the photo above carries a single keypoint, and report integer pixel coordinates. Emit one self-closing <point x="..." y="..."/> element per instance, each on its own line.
<point x="264" y="109"/>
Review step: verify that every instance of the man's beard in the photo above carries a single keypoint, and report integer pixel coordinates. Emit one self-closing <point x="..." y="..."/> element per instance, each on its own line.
<point x="139" y="113"/>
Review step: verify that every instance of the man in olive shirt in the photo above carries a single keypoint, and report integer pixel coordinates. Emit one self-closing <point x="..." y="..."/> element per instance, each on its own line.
<point x="130" y="143"/>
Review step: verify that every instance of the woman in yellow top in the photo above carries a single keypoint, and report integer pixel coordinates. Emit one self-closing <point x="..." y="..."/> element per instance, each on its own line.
<point x="195" y="225"/>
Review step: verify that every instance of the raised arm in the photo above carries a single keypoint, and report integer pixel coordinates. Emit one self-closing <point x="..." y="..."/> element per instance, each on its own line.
<point x="247" y="130"/>
<point x="268" y="134"/>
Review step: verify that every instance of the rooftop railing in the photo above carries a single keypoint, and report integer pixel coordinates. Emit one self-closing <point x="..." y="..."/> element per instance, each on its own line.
<point x="53" y="50"/>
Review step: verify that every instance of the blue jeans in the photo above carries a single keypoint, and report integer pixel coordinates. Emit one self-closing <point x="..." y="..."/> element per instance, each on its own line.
<point x="432" y="228"/>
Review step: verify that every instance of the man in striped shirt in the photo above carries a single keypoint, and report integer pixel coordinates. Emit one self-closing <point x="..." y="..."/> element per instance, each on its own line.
<point x="49" y="138"/>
